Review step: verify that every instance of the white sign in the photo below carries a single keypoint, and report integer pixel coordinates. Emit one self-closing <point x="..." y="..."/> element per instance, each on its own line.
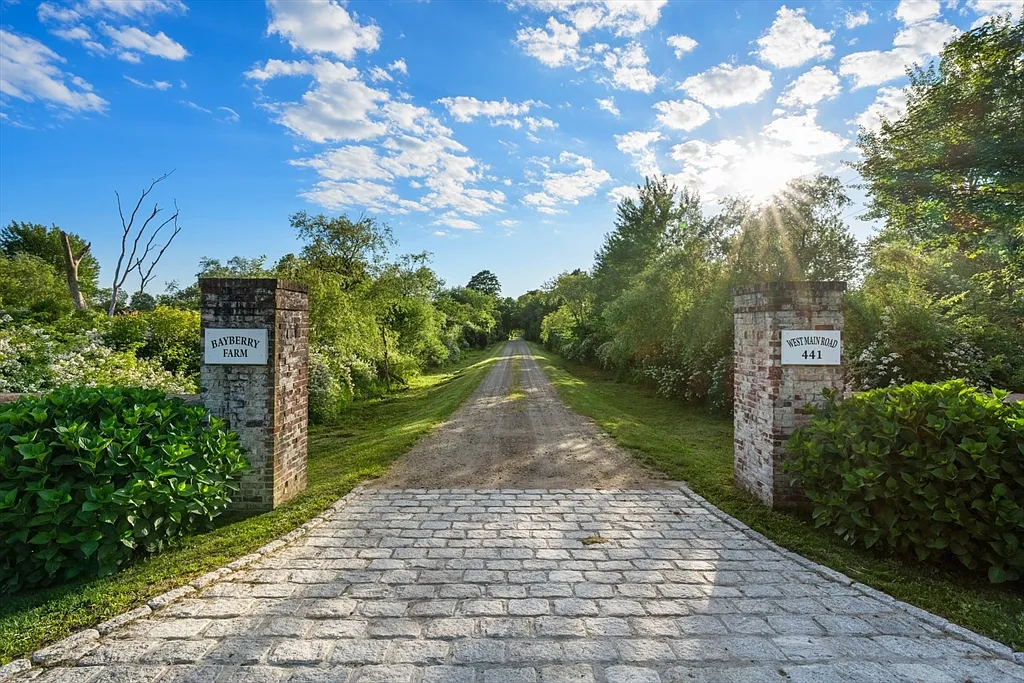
<point x="235" y="347"/>
<point x="811" y="347"/>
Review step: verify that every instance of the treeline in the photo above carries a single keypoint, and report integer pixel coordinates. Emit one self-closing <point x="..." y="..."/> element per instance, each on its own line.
<point x="938" y="293"/>
<point x="376" y="319"/>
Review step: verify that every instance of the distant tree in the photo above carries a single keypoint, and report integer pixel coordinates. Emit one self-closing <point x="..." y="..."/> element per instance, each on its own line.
<point x="143" y="301"/>
<point x="575" y="292"/>
<point x="73" y="258"/>
<point x="131" y="258"/>
<point x="352" y="249"/>
<point x="236" y="266"/>
<point x="485" y="281"/>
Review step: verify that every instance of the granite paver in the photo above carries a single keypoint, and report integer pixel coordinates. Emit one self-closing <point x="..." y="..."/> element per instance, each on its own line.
<point x="475" y="586"/>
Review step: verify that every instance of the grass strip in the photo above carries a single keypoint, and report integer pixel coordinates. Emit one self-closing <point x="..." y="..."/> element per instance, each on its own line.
<point x="515" y="390"/>
<point x="688" y="444"/>
<point x="361" y="445"/>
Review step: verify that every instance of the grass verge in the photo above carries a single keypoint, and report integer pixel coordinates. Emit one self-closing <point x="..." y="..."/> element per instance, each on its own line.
<point x="689" y="445"/>
<point x="359" y="446"/>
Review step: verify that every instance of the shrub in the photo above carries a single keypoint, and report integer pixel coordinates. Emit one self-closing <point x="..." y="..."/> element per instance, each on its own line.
<point x="933" y="469"/>
<point x="91" y="477"/>
<point x="170" y="336"/>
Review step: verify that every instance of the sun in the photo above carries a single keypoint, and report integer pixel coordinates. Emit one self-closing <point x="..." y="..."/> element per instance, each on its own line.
<point x="764" y="173"/>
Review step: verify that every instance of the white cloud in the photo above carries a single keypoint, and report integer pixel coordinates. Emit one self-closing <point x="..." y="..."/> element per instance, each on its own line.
<point x="801" y="135"/>
<point x="399" y="66"/>
<point x="559" y="187"/>
<point x="536" y="124"/>
<point x="728" y="86"/>
<point x="854" y="20"/>
<point x="276" y="67"/>
<point x="628" y="66"/>
<point x="452" y="221"/>
<point x="508" y="223"/>
<point x="617" y="194"/>
<point x="321" y="26"/>
<point x="117" y="9"/>
<point x="792" y="40"/>
<point x="608" y="104"/>
<point x="440" y="233"/>
<point x="685" y="115"/>
<point x="990" y="8"/>
<point x="465" y="109"/>
<point x="135" y="40"/>
<point x="192" y="105"/>
<point x="378" y="74"/>
<point x="558" y="46"/>
<point x="890" y="103"/>
<point x="621" y="17"/>
<point x="912" y="11"/>
<point x="153" y="85"/>
<point x="29" y="71"/>
<point x="925" y="38"/>
<point x="355" y="162"/>
<point x="640" y="146"/>
<point x="230" y="115"/>
<point x="338" y="107"/>
<point x="681" y="44"/>
<point x="912" y="44"/>
<point x="810" y="88"/>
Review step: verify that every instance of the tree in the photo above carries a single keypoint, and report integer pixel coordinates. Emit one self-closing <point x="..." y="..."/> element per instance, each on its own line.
<point x="951" y="170"/>
<point x="350" y="249"/>
<point x="485" y="281"/>
<point x="28" y="283"/>
<point x="799" y="234"/>
<point x="640" y="226"/>
<point x="134" y="260"/>
<point x="74" y="259"/>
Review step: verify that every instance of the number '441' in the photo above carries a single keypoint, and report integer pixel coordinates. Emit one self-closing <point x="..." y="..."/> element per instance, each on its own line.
<point x="812" y="355"/>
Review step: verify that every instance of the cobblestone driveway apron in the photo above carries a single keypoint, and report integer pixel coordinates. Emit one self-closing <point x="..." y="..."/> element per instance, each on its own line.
<point x="496" y="586"/>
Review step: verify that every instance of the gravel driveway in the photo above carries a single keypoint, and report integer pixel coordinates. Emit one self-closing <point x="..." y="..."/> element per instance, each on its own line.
<point x="533" y="441"/>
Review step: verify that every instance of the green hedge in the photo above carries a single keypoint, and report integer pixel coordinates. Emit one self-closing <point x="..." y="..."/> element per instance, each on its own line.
<point x="931" y="469"/>
<point x="91" y="476"/>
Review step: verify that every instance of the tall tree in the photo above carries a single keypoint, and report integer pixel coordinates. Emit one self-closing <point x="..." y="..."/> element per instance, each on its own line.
<point x="640" y="226"/>
<point x="75" y="260"/>
<point x="485" y="281"/>
<point x="799" y="234"/>
<point x="951" y="170"/>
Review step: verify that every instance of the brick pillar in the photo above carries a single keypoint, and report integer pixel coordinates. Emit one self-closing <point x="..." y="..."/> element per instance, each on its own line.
<point x="770" y="397"/>
<point x="265" y="403"/>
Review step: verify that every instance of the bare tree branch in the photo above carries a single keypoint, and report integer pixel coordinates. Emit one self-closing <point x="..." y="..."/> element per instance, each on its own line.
<point x="127" y="227"/>
<point x="146" y="277"/>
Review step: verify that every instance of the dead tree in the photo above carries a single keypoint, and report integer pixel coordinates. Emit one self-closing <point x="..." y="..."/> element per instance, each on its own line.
<point x="134" y="261"/>
<point x="71" y="262"/>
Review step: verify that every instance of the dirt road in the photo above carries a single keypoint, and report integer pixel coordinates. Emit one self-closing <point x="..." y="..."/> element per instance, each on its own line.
<point x="514" y="432"/>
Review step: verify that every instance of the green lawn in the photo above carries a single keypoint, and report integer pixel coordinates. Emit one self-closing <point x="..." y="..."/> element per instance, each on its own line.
<point x="689" y="445"/>
<point x="359" y="446"/>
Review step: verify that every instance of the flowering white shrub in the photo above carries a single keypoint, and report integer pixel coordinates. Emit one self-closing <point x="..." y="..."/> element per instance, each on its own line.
<point x="919" y="351"/>
<point x="32" y="359"/>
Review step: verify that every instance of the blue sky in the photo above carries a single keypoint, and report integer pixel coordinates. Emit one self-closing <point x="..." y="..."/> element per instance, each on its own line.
<point x="494" y="135"/>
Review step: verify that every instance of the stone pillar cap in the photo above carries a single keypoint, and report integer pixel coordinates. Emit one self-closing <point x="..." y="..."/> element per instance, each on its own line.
<point x="789" y="285"/>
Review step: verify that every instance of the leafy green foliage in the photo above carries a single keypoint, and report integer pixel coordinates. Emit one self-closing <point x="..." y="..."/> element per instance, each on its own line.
<point x="44" y="243"/>
<point x="29" y="285"/>
<point x="91" y="477"/>
<point x="485" y="281"/>
<point x="930" y="469"/>
<point x="167" y="335"/>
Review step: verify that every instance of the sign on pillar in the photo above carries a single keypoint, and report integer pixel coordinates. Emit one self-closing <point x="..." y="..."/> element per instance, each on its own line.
<point x="787" y="350"/>
<point x="255" y="335"/>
